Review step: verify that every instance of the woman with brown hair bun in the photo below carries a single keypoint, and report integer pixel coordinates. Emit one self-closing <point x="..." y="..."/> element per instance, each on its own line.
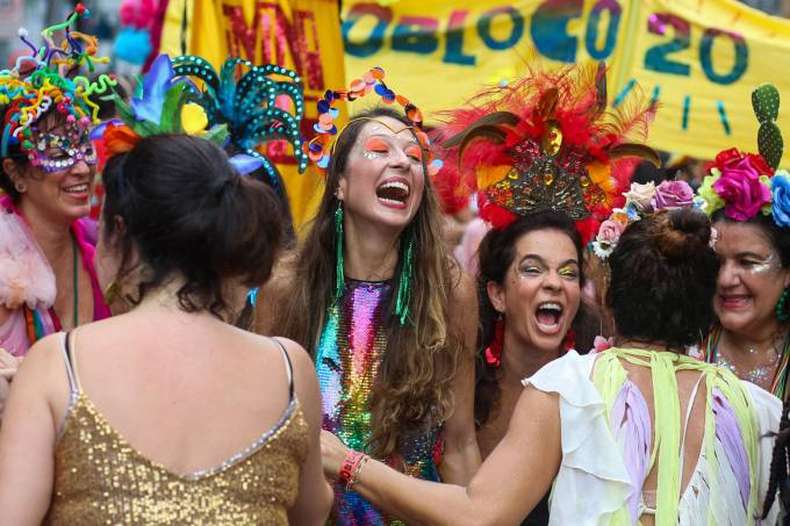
<point x="167" y="414"/>
<point x="636" y="433"/>
<point x="195" y="421"/>
<point x="388" y="317"/>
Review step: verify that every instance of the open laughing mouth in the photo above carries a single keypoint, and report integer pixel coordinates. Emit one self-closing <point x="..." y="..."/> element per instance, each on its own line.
<point x="734" y="302"/>
<point x="393" y="193"/>
<point x="548" y="316"/>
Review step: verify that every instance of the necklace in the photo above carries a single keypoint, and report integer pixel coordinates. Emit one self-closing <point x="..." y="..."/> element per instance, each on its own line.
<point x="770" y="374"/>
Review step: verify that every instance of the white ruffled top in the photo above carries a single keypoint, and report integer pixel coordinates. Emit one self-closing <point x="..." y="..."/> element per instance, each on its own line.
<point x="594" y="482"/>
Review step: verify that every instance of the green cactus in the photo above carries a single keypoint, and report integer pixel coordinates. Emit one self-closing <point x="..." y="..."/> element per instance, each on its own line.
<point x="765" y="101"/>
<point x="769" y="143"/>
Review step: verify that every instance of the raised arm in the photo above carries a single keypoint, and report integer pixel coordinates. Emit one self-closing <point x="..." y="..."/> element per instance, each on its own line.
<point x="27" y="436"/>
<point x="461" y="457"/>
<point x="508" y="485"/>
<point x="272" y="294"/>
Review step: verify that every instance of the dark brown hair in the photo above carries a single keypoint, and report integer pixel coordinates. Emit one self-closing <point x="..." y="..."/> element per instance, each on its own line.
<point x="413" y="386"/>
<point x="778" y="480"/>
<point x="663" y="278"/>
<point x="186" y="212"/>
<point x="496" y="253"/>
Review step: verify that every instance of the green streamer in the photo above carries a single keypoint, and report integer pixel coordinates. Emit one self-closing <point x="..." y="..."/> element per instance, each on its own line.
<point x="403" y="299"/>
<point x="340" y="277"/>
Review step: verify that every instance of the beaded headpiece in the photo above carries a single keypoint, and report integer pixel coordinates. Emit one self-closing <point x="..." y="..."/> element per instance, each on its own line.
<point x="747" y="184"/>
<point x="545" y="142"/>
<point x="254" y="105"/>
<point x="40" y="82"/>
<point x="320" y="148"/>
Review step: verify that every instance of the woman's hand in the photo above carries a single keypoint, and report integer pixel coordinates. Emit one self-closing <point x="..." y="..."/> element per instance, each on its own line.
<point x="333" y="452"/>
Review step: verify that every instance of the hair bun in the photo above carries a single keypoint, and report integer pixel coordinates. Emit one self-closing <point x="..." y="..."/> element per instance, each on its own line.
<point x="682" y="232"/>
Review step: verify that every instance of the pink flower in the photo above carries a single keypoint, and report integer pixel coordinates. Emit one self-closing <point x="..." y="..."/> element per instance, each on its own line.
<point x="673" y="194"/>
<point x="609" y="232"/>
<point x="741" y="188"/>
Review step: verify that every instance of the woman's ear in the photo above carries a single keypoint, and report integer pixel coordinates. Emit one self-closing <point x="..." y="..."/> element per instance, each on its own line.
<point x="496" y="295"/>
<point x="12" y="168"/>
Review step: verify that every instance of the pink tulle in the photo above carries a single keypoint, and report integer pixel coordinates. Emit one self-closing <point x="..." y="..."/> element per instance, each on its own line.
<point x="25" y="275"/>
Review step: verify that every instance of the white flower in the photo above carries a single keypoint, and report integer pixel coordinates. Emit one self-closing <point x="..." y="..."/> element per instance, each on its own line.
<point x="640" y="195"/>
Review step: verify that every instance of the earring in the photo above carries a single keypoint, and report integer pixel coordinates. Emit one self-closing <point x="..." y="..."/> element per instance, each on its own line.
<point x="112" y="292"/>
<point x="403" y="299"/>
<point x="340" y="277"/>
<point x="493" y="353"/>
<point x="20" y="187"/>
<point x="782" y="313"/>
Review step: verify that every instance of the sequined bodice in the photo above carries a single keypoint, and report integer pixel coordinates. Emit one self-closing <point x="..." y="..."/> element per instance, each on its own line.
<point x="101" y="479"/>
<point x="348" y="358"/>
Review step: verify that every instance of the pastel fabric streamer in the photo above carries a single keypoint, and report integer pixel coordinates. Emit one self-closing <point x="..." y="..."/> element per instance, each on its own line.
<point x="607" y="451"/>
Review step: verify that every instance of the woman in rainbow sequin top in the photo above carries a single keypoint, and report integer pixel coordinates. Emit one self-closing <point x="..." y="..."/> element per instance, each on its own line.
<point x="391" y="321"/>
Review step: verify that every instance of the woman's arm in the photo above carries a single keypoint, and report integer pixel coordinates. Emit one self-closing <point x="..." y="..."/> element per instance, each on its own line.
<point x="461" y="457"/>
<point x="315" y="496"/>
<point x="508" y="485"/>
<point x="272" y="295"/>
<point x="27" y="436"/>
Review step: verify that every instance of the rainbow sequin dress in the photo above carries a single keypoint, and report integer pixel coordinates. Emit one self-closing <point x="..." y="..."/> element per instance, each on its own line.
<point x="348" y="358"/>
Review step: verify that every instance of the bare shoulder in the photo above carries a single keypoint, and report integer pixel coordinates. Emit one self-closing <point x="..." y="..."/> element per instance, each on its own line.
<point x="45" y="354"/>
<point x="297" y="354"/>
<point x="42" y="371"/>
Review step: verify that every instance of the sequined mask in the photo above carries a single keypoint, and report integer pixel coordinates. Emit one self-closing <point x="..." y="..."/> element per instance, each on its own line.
<point x="54" y="152"/>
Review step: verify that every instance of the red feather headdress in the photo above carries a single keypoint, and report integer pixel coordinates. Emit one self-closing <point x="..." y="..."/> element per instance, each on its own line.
<point x="547" y="141"/>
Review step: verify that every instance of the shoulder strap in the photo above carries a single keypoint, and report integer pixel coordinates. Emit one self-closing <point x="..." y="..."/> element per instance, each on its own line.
<point x="74" y="386"/>
<point x="288" y="368"/>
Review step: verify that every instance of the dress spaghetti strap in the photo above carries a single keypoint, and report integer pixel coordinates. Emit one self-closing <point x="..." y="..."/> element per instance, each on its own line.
<point x="288" y="369"/>
<point x="68" y="360"/>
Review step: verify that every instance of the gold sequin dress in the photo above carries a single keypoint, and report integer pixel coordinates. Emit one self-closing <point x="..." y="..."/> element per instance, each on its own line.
<point x="100" y="479"/>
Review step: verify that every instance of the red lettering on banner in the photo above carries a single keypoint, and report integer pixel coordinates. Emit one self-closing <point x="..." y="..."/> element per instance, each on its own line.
<point x="271" y="35"/>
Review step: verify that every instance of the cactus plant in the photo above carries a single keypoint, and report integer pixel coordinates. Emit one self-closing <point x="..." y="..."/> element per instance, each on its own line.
<point x="765" y="101"/>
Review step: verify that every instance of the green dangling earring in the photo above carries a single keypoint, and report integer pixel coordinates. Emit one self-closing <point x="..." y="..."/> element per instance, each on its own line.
<point x="340" y="276"/>
<point x="403" y="299"/>
<point x="782" y="313"/>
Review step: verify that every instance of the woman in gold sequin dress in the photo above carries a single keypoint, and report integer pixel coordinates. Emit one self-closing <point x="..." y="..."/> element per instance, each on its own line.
<point x="166" y="414"/>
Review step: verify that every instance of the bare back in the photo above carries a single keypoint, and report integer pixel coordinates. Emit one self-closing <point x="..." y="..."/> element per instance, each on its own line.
<point x="692" y="395"/>
<point x="186" y="395"/>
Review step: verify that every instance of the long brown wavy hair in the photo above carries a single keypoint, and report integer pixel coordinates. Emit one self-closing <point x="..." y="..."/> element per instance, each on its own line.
<point x="413" y="386"/>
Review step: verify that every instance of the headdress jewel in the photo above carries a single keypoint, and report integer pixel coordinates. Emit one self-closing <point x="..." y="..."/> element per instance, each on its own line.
<point x="545" y="142"/>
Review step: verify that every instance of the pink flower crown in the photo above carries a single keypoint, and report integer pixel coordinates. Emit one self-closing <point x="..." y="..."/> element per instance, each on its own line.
<point x="640" y="201"/>
<point x="745" y="185"/>
<point x="748" y="184"/>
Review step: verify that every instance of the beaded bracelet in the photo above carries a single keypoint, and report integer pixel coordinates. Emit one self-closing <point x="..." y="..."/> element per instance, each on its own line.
<point x="357" y="470"/>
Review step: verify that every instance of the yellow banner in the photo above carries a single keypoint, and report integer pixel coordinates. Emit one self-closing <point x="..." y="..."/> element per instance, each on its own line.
<point x="303" y="35"/>
<point x="700" y="59"/>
